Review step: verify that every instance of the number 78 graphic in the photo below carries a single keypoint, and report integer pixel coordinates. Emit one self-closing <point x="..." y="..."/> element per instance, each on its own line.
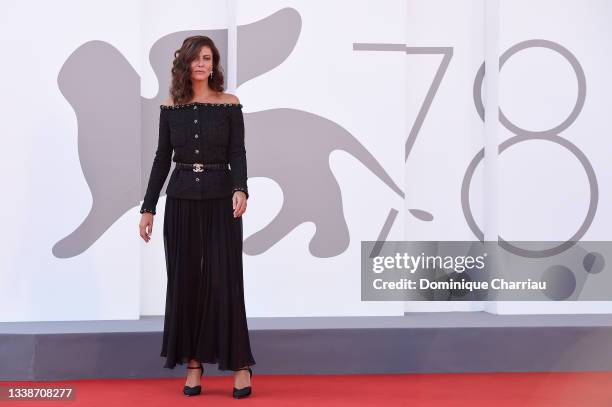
<point x="521" y="134"/>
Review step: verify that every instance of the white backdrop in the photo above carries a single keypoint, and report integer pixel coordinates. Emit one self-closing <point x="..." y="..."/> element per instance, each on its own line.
<point x="45" y="194"/>
<point x="374" y="93"/>
<point x="544" y="190"/>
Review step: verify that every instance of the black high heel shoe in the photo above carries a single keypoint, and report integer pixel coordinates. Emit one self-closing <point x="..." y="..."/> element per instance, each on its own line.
<point x="245" y="391"/>
<point x="195" y="390"/>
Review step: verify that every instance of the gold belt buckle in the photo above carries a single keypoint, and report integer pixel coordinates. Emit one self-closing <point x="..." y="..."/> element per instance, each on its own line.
<point x="198" y="167"/>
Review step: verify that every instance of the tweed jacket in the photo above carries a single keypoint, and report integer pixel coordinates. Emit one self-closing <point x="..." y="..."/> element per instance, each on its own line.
<point x="198" y="132"/>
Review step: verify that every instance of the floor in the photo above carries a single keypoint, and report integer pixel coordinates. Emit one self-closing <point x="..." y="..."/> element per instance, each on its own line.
<point x="583" y="389"/>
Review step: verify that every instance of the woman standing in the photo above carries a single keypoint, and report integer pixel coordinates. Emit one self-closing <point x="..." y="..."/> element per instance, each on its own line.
<point x="205" y="318"/>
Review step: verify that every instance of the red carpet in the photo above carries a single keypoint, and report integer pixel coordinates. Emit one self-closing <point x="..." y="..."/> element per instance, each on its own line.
<point x="449" y="390"/>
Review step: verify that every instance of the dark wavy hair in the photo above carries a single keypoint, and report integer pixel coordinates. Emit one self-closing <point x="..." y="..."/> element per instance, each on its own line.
<point x="181" y="90"/>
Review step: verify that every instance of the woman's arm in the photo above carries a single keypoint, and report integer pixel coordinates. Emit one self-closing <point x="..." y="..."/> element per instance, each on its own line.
<point x="237" y="151"/>
<point x="161" y="165"/>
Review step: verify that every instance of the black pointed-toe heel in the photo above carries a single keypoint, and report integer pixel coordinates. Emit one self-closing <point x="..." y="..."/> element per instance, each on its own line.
<point x="195" y="390"/>
<point x="245" y="391"/>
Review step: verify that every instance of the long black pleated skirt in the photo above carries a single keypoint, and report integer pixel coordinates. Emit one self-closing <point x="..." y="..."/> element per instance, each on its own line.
<point x="205" y="313"/>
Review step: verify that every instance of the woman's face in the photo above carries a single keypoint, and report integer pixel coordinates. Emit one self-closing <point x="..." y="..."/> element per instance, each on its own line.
<point x="202" y="65"/>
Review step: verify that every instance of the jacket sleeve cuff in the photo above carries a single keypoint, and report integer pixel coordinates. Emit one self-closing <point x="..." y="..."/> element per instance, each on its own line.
<point x="147" y="209"/>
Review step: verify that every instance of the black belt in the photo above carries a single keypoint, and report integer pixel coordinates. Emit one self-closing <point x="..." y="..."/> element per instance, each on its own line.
<point x="200" y="167"/>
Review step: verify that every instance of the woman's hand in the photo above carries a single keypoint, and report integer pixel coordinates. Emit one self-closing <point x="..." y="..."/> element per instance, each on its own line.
<point x="239" y="202"/>
<point x="146" y="226"/>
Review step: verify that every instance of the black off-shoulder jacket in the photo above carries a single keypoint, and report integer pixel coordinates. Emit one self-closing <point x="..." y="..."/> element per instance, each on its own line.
<point x="198" y="132"/>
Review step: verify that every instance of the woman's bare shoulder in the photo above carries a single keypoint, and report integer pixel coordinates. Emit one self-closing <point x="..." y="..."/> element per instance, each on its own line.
<point x="168" y="101"/>
<point x="229" y="98"/>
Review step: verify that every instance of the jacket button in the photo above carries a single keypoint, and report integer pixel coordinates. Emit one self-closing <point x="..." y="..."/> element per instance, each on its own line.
<point x="196" y="136"/>
<point x="197" y="151"/>
<point x="195" y="121"/>
<point x="198" y="179"/>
